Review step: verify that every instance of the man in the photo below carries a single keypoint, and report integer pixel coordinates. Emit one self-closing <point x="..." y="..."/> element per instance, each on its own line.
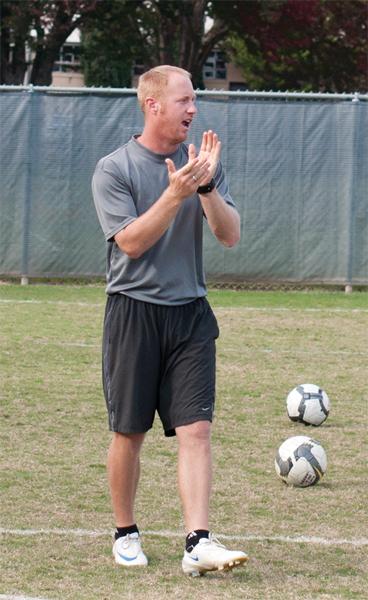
<point x="159" y="332"/>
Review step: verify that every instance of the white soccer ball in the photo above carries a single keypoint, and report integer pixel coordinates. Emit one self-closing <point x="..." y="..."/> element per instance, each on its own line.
<point x="300" y="461"/>
<point x="308" y="404"/>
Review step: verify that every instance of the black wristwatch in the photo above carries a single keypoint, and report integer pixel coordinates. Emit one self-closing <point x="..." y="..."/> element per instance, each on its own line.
<point x="205" y="189"/>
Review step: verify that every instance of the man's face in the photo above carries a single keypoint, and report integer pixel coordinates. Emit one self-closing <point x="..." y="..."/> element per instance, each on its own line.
<point x="177" y="108"/>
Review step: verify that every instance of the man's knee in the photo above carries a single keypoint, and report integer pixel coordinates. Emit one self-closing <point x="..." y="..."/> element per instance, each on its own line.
<point x="127" y="441"/>
<point x="194" y="433"/>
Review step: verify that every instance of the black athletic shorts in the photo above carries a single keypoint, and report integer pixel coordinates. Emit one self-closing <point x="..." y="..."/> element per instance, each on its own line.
<point x="160" y="358"/>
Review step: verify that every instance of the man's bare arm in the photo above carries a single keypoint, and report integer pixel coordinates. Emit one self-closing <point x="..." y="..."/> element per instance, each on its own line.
<point x="147" y="229"/>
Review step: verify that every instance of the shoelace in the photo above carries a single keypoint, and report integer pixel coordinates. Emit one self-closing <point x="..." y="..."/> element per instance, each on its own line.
<point x="213" y="540"/>
<point x="128" y="539"/>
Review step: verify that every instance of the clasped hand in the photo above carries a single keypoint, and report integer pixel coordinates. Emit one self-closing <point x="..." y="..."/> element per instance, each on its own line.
<point x="199" y="170"/>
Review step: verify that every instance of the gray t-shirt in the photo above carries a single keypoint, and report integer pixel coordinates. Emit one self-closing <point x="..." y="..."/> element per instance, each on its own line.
<point x="125" y="184"/>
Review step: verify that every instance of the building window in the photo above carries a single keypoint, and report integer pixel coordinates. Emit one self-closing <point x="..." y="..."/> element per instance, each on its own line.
<point x="69" y="58"/>
<point x="215" y="66"/>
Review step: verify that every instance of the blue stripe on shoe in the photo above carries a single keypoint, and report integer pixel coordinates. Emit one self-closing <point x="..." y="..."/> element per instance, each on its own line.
<point x="128" y="558"/>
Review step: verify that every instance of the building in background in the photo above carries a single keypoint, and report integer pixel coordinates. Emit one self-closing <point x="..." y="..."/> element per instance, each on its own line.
<point x="217" y="73"/>
<point x="67" y="69"/>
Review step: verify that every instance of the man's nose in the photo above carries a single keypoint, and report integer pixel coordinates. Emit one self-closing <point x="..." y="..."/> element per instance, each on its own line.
<point x="192" y="109"/>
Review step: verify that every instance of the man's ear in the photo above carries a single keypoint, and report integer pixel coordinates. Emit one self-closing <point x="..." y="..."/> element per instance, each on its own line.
<point x="153" y="105"/>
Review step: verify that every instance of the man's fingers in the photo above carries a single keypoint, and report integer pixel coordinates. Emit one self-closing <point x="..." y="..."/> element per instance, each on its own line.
<point x="204" y="142"/>
<point x="217" y="150"/>
<point x="191" y="152"/>
<point x="209" y="142"/>
<point x="203" y="175"/>
<point x="193" y="160"/>
<point x="170" y="166"/>
<point x="196" y="168"/>
<point x="212" y="142"/>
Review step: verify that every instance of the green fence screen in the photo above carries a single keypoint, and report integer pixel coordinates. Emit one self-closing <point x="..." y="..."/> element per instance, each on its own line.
<point x="297" y="171"/>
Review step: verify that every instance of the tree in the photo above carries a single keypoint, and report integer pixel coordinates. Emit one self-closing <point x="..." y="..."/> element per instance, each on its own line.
<point x="279" y="44"/>
<point x="150" y="32"/>
<point x="111" y="43"/>
<point x="311" y="45"/>
<point x="14" y="30"/>
<point x="42" y="26"/>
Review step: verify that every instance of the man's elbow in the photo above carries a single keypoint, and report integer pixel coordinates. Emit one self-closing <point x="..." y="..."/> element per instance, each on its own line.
<point x="232" y="241"/>
<point x="229" y="239"/>
<point x="133" y="253"/>
<point x="132" y="250"/>
<point x="232" y="237"/>
<point x="129" y="246"/>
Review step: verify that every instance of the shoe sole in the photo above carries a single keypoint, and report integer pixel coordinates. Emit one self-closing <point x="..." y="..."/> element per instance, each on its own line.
<point x="228" y="566"/>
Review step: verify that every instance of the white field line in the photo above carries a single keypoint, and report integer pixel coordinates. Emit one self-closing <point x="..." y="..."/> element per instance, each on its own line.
<point x="54" y="302"/>
<point x="59" y="343"/>
<point x="294" y="351"/>
<point x="298" y="539"/>
<point x="216" y="309"/>
<point x="17" y="597"/>
<point x="229" y="350"/>
<point x="285" y="309"/>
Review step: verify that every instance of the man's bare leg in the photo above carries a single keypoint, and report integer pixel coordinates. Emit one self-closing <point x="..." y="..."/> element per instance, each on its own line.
<point x="123" y="467"/>
<point x="195" y="473"/>
<point x="203" y="552"/>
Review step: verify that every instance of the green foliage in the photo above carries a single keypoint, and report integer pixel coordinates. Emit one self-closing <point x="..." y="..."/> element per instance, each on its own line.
<point x="110" y="43"/>
<point x="309" y="45"/>
<point x="285" y="44"/>
<point x="145" y="33"/>
<point x="43" y="26"/>
<point x="250" y="61"/>
<point x="104" y="66"/>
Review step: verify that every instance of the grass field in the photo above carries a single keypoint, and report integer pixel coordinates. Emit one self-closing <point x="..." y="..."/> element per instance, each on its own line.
<point x="56" y="521"/>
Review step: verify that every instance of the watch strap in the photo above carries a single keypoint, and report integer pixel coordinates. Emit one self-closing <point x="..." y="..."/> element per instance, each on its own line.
<point x="205" y="189"/>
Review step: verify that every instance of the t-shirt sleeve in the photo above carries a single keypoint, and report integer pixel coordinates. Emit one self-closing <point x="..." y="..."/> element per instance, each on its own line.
<point x="113" y="199"/>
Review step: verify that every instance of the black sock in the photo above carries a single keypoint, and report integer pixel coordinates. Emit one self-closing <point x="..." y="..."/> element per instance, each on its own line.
<point x="193" y="538"/>
<point x="121" y="531"/>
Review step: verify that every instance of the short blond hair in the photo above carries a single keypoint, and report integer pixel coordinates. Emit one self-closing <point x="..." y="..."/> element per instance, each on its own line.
<point x="153" y="82"/>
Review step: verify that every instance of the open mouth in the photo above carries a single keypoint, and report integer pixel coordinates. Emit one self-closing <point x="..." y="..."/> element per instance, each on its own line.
<point x="186" y="124"/>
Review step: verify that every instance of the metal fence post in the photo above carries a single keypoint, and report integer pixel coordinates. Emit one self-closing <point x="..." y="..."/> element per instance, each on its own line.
<point x="350" y="236"/>
<point x="27" y="194"/>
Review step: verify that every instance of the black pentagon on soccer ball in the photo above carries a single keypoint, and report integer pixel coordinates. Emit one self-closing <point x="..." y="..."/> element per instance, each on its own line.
<point x="284" y="465"/>
<point x="304" y="451"/>
<point x="302" y="405"/>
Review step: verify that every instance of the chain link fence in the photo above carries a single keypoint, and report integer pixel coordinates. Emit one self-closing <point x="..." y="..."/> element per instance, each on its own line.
<point x="296" y="164"/>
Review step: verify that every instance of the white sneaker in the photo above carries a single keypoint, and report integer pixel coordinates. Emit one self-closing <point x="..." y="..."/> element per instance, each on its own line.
<point x="210" y="555"/>
<point x="128" y="552"/>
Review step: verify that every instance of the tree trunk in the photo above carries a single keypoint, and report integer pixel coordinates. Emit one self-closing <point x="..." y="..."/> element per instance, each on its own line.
<point x="193" y="45"/>
<point x="12" y="68"/>
<point x="191" y="39"/>
<point x="12" y="48"/>
<point x="43" y="63"/>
